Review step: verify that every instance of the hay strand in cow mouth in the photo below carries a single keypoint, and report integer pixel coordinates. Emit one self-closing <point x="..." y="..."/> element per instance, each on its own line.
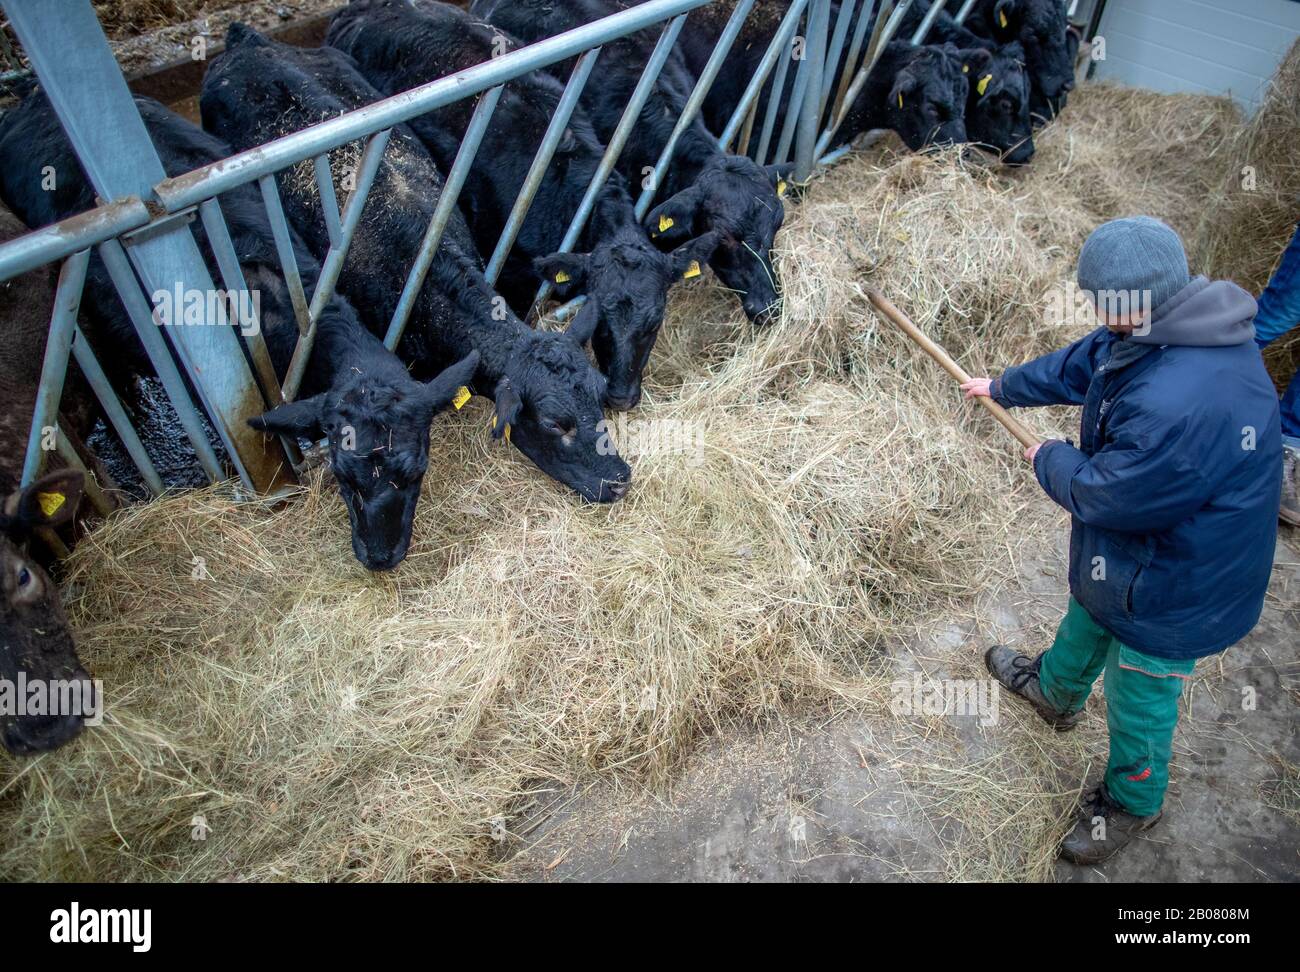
<point x="315" y="722"/>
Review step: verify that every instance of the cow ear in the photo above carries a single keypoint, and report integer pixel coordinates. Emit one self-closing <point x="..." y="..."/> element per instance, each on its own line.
<point x="778" y="174"/>
<point x="567" y="272"/>
<point x="301" y="418"/>
<point x="674" y="219"/>
<point x="50" y="501"/>
<point x="439" y="392"/>
<point x="905" y="86"/>
<point x="693" y="254"/>
<point x="508" y="408"/>
<point x="975" y="62"/>
<point x="1004" y="12"/>
<point x="583" y="325"/>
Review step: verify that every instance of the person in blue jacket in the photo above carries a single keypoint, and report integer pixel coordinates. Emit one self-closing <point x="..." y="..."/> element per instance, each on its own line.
<point x="1279" y="312"/>
<point x="1173" y="495"/>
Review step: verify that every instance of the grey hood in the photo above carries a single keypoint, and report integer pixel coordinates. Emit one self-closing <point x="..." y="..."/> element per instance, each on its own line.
<point x="1204" y="314"/>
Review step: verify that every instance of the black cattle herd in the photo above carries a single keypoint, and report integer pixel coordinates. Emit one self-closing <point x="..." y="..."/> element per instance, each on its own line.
<point x="987" y="82"/>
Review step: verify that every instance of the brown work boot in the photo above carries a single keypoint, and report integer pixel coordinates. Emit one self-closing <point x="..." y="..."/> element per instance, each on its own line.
<point x="1103" y="829"/>
<point x="1020" y="674"/>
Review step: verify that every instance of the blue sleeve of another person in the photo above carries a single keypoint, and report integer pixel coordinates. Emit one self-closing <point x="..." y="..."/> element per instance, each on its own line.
<point x="1279" y="304"/>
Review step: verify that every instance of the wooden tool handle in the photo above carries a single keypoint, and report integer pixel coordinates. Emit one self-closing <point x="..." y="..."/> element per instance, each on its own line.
<point x="1010" y="423"/>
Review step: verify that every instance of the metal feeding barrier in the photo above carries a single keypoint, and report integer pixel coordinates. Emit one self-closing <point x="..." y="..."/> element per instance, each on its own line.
<point x="145" y="242"/>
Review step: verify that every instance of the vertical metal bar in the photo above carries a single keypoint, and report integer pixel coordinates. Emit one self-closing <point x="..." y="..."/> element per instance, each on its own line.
<point x="695" y="102"/>
<point x="627" y="121"/>
<point x="855" y="51"/>
<point x="442" y="213"/>
<point x="840" y="35"/>
<point x="95" y="107"/>
<point x="879" y="41"/>
<point x="332" y="265"/>
<point x="791" y="119"/>
<point x="114" y="412"/>
<point x="67" y="301"/>
<point x="232" y="275"/>
<point x="747" y="130"/>
<point x="809" y="120"/>
<point x="545" y="151"/>
<point x="329" y="202"/>
<point x="94" y="489"/>
<point x="284" y="249"/>
<point x="923" y="28"/>
<point x="780" y="44"/>
<point x="137" y="308"/>
<point x="965" y="10"/>
<point x="773" y="104"/>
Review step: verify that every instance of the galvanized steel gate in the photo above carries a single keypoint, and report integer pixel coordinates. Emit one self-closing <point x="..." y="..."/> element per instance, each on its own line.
<point x="143" y="235"/>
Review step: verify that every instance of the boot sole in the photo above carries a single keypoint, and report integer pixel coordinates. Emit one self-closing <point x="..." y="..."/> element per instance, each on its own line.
<point x="1083" y="860"/>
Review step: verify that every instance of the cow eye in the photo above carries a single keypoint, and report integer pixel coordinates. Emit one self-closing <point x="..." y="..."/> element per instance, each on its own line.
<point x="24" y="578"/>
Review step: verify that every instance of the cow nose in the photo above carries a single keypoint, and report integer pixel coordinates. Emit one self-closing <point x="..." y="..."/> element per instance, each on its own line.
<point x="618" y="488"/>
<point x="623" y="401"/>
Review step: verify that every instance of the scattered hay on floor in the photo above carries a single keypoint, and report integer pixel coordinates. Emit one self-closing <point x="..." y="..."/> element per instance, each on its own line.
<point x="823" y="494"/>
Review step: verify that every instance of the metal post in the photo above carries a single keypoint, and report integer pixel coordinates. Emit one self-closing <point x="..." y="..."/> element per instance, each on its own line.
<point x="695" y="102"/>
<point x="91" y="98"/>
<point x="332" y="265"/>
<point x="810" y="108"/>
<point x="67" y="301"/>
<point x="855" y="51"/>
<point x="114" y="412"/>
<point x="442" y="213"/>
<point x="749" y="100"/>
<point x="545" y="152"/>
<point x="626" y="122"/>
<point x="773" y="104"/>
<point x="923" y="28"/>
<point x="838" y="37"/>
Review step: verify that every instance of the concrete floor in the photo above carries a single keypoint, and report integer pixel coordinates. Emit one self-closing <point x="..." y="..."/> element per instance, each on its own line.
<point x="832" y="801"/>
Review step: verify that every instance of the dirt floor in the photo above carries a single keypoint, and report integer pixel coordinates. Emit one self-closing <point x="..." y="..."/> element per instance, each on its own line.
<point x="818" y="801"/>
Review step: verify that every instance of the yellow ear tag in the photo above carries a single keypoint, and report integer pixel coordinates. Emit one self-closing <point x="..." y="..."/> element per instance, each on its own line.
<point x="984" y="84"/>
<point x="561" y="277"/>
<point x="50" y="503"/>
<point x="462" y="396"/>
<point x="900" y="99"/>
<point x="780" y="188"/>
<point x="965" y="69"/>
<point x="507" y="431"/>
<point x="665" y="223"/>
<point x="692" y="271"/>
<point x="1002" y="19"/>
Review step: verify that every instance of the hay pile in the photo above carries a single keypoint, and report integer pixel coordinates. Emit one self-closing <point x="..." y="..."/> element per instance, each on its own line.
<point x="1254" y="209"/>
<point x="310" y="721"/>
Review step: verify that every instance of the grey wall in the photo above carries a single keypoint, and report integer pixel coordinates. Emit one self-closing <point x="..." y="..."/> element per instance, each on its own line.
<point x="1209" y="46"/>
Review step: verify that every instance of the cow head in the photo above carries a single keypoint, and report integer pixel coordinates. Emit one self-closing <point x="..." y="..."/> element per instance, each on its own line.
<point x="626" y="280"/>
<point x="34" y="636"/>
<point x="927" y="104"/>
<point x="377" y="423"/>
<point x="997" y="111"/>
<point x="740" y="201"/>
<point x="1041" y="27"/>
<point x="548" y="405"/>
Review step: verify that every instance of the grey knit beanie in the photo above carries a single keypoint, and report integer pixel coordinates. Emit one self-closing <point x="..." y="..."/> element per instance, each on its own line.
<point x="1127" y="263"/>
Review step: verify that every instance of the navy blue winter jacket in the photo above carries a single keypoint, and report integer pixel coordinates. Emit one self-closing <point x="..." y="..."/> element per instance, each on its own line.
<point x="1175" y="486"/>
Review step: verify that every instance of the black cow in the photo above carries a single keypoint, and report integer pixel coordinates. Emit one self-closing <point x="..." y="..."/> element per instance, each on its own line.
<point x="934" y="114"/>
<point x="1041" y="27"/>
<point x="398" y="46"/>
<point x="548" y="395"/>
<point x="998" y="103"/>
<point x="351" y="381"/>
<point x="704" y="188"/>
